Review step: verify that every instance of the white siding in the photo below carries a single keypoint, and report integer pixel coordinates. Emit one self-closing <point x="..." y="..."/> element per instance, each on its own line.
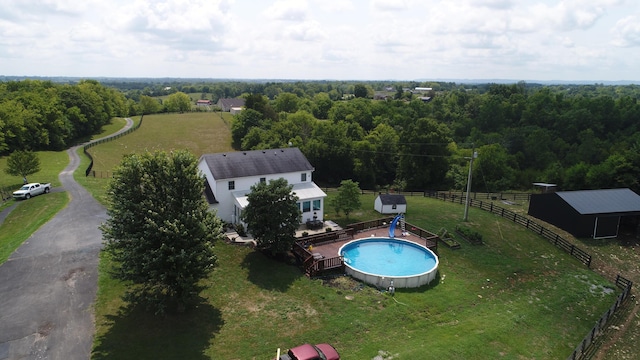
<point x="226" y="206"/>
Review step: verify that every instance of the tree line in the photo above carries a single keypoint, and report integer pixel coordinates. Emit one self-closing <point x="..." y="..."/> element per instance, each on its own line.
<point x="381" y="134"/>
<point x="42" y="115"/>
<point x="579" y="137"/>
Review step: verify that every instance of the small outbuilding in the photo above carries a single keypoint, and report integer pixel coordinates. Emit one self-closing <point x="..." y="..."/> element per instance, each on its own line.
<point x="586" y="213"/>
<point x="390" y="204"/>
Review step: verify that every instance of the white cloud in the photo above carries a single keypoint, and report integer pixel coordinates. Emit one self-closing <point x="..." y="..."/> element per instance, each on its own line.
<point x="626" y="32"/>
<point x="356" y="39"/>
<point x="389" y="5"/>
<point x="288" y="10"/>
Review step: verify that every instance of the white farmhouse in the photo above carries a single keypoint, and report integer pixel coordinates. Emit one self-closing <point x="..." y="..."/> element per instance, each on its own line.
<point x="390" y="204"/>
<point x="229" y="177"/>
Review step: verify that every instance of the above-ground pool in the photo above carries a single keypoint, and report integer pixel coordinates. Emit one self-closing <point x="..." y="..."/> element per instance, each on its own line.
<point x="378" y="261"/>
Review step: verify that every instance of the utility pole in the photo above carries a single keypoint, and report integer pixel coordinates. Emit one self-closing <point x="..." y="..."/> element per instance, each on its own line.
<point x="474" y="154"/>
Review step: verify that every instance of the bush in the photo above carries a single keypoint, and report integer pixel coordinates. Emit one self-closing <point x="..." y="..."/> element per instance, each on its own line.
<point x="471" y="235"/>
<point x="240" y="230"/>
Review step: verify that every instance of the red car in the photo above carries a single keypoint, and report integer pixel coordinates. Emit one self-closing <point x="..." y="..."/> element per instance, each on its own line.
<point x="311" y="352"/>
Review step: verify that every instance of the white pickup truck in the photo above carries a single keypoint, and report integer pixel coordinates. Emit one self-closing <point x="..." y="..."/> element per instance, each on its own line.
<point x="31" y="189"/>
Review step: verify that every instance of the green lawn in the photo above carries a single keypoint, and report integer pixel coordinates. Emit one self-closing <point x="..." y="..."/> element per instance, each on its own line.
<point x="26" y="218"/>
<point x="200" y="133"/>
<point x="51" y="164"/>
<point x="515" y="297"/>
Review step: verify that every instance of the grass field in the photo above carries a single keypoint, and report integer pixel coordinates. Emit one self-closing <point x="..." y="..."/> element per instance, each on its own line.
<point x="516" y="297"/>
<point x="26" y="218"/>
<point x="199" y="133"/>
<point x="51" y="164"/>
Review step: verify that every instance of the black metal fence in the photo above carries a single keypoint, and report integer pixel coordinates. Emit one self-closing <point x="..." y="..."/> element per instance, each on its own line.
<point x="89" y="170"/>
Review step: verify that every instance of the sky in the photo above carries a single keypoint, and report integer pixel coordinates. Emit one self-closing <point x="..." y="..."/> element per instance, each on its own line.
<point x="569" y="40"/>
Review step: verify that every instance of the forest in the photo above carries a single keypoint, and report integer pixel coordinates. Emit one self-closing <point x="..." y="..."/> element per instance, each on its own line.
<point x="381" y="134"/>
<point x="42" y="115"/>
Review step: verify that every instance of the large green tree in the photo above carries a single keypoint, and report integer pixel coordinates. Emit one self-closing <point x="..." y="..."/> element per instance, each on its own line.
<point x="348" y="198"/>
<point x="22" y="163"/>
<point x="160" y="233"/>
<point x="178" y="102"/>
<point x="149" y="105"/>
<point x="424" y="152"/>
<point x="273" y="215"/>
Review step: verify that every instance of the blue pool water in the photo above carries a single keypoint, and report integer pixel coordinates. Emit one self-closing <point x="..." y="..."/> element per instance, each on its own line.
<point x="388" y="257"/>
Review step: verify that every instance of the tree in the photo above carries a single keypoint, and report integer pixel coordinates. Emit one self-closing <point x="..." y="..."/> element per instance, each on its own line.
<point x="424" y="149"/>
<point x="178" y="101"/>
<point x="360" y="91"/>
<point x="272" y="216"/>
<point x="287" y="102"/>
<point x="348" y="198"/>
<point x="149" y="105"/>
<point x="22" y="163"/>
<point x="160" y="233"/>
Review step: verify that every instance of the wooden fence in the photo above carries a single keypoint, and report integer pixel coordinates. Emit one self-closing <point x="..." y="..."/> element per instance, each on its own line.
<point x="6" y="193"/>
<point x="89" y="170"/>
<point x="585" y="346"/>
<point x="491" y="207"/>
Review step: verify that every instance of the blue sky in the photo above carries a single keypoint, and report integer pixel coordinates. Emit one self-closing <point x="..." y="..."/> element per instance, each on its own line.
<point x="583" y="40"/>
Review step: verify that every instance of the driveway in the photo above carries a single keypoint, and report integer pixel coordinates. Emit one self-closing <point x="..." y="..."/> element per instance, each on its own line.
<point x="49" y="284"/>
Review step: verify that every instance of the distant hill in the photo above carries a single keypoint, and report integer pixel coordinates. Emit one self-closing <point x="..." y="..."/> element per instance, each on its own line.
<point x="71" y="80"/>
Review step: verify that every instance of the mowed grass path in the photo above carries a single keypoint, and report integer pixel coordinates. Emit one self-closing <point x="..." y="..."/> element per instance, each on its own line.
<point x="516" y="297"/>
<point x="200" y="133"/>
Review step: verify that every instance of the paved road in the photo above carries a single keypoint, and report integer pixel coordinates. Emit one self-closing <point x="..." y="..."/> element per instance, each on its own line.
<point x="48" y="285"/>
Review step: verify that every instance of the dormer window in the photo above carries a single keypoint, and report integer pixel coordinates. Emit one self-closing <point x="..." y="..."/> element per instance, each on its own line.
<point x="303" y="177"/>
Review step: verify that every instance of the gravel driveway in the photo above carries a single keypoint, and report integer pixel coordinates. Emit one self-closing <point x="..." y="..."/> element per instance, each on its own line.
<point x="48" y="285"/>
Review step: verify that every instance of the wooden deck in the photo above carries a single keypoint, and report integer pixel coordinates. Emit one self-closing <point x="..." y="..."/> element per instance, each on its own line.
<point x="330" y="250"/>
<point x="319" y="253"/>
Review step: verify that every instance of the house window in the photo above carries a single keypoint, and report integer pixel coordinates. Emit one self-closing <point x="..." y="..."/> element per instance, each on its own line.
<point x="232" y="185"/>
<point x="303" y="177"/>
<point x="316" y="205"/>
<point x="394" y="206"/>
<point x="263" y="180"/>
<point x="306" y="206"/>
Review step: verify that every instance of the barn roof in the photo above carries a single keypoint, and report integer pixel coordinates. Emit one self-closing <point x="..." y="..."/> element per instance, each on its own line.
<point x="257" y="162"/>
<point x="606" y="201"/>
<point x="392" y="199"/>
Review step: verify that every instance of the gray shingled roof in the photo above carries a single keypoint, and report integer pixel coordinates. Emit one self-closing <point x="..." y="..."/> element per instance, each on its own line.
<point x="257" y="162"/>
<point x="606" y="201"/>
<point x="392" y="199"/>
<point x="232" y="102"/>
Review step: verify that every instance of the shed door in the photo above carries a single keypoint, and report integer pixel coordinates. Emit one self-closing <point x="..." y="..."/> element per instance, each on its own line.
<point x="606" y="227"/>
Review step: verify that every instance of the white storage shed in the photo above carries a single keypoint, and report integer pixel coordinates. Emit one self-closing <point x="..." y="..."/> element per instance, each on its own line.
<point x="390" y="204"/>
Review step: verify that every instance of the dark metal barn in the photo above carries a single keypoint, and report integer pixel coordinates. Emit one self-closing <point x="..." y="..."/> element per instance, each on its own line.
<point x="586" y="213"/>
